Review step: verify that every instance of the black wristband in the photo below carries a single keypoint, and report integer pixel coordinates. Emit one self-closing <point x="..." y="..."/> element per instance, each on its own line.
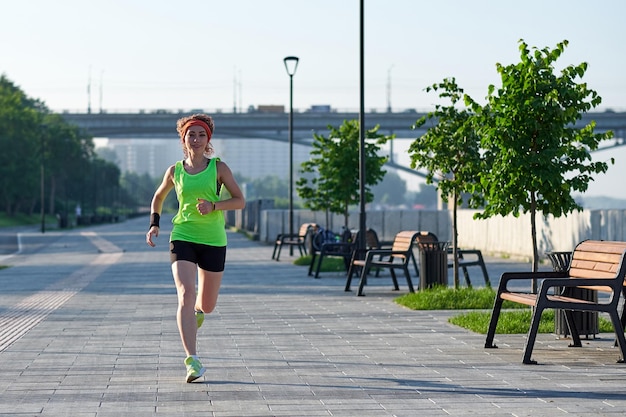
<point x="155" y="218"/>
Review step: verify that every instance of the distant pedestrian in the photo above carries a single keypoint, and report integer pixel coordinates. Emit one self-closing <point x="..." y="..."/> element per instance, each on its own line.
<point x="198" y="238"/>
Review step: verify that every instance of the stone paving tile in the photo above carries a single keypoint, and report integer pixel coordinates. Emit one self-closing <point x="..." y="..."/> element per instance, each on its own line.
<point x="280" y="343"/>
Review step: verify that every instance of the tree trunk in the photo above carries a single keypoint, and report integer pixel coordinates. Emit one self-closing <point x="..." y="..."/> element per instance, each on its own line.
<point x="455" y="247"/>
<point x="533" y="231"/>
<point x="51" y="196"/>
<point x="328" y="219"/>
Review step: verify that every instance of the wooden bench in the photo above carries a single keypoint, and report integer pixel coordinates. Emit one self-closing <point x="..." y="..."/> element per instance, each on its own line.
<point x="397" y="257"/>
<point x="297" y="240"/>
<point x="596" y="265"/>
<point x="342" y="248"/>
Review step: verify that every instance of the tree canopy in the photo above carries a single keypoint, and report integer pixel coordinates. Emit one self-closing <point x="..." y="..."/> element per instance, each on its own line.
<point x="331" y="176"/>
<point x="524" y="150"/>
<point x="534" y="153"/>
<point x="450" y="151"/>
<point x="36" y="142"/>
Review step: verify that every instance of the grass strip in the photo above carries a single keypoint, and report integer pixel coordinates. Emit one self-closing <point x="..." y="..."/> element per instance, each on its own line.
<point x="515" y="318"/>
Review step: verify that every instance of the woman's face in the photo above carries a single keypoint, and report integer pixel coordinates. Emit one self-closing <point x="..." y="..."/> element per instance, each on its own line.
<point x="196" y="138"/>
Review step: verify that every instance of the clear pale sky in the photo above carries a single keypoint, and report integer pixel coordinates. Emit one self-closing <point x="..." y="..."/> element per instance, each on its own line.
<point x="217" y="54"/>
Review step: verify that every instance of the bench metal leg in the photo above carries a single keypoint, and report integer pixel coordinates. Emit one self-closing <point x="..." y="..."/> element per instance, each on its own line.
<point x="417" y="271"/>
<point x="280" y="247"/>
<point x="532" y="335"/>
<point x="484" y="269"/>
<point x="362" y="281"/>
<point x="624" y="310"/>
<point x="493" y="323"/>
<point x="313" y="256"/>
<point x="623" y="319"/>
<point x="349" y="278"/>
<point x="573" y="330"/>
<point x="394" y="279"/>
<point x="319" y="265"/>
<point x="409" y="283"/>
<point x="621" y="340"/>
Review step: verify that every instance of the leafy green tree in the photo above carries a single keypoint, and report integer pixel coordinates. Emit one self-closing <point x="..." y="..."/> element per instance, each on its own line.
<point x="65" y="147"/>
<point x="20" y="129"/>
<point x="331" y="176"/>
<point x="449" y="151"/>
<point x="32" y="136"/>
<point x="534" y="154"/>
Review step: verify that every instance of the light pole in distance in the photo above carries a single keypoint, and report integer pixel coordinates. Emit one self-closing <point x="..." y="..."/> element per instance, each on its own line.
<point x="291" y="64"/>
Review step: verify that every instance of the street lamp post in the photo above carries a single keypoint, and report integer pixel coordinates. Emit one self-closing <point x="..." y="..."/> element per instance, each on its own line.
<point x="291" y="64"/>
<point x="43" y="177"/>
<point x="362" y="176"/>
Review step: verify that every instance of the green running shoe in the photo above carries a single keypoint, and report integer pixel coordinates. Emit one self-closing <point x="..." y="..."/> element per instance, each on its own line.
<point x="194" y="369"/>
<point x="199" y="318"/>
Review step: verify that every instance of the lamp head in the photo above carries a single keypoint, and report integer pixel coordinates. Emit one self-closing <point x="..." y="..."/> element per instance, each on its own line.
<point x="291" y="64"/>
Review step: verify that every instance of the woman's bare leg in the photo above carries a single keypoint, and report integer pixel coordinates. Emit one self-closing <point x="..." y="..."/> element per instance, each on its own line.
<point x="184" y="273"/>
<point x="208" y="289"/>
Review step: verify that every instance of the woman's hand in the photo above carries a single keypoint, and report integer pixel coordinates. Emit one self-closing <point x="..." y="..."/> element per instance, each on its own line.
<point x="204" y="206"/>
<point x="154" y="231"/>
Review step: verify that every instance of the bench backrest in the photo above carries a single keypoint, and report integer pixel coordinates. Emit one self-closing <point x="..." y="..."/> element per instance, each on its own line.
<point x="403" y="242"/>
<point x="599" y="259"/>
<point x="304" y="229"/>
<point x="371" y="239"/>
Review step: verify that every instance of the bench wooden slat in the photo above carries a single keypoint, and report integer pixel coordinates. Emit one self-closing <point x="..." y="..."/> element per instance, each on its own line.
<point x="602" y="246"/>
<point x="591" y="273"/>
<point x="528" y="299"/>
<point x="601" y="288"/>
<point x="609" y="261"/>
<point x="595" y="256"/>
<point x="531" y="299"/>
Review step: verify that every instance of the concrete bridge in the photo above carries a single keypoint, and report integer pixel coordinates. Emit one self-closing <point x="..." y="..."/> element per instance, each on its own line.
<point x="274" y="125"/>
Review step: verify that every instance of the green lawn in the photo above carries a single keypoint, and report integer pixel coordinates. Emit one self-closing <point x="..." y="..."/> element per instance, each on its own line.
<point x="330" y="263"/>
<point x="515" y="318"/>
<point x="20" y="219"/>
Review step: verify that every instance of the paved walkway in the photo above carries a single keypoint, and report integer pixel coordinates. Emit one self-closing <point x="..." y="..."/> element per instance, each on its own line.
<point x="87" y="328"/>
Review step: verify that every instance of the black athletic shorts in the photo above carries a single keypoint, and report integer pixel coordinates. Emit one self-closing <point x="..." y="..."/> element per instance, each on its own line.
<point x="209" y="258"/>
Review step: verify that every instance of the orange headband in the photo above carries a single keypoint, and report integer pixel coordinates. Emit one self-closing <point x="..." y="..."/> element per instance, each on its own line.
<point x="196" y="122"/>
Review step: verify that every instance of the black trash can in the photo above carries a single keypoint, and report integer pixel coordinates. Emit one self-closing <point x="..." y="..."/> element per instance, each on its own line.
<point x="586" y="321"/>
<point x="433" y="264"/>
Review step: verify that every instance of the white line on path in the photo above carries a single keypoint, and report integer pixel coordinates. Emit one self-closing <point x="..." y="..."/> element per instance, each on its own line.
<point x="21" y="318"/>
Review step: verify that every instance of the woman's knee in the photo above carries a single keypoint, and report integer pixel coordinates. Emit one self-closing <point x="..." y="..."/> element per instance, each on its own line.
<point x="186" y="296"/>
<point x="206" y="307"/>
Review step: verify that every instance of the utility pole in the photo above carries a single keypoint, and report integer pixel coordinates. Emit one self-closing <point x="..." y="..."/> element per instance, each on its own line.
<point x="389" y="89"/>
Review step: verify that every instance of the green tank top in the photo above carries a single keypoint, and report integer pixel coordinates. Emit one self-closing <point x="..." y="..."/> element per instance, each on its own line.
<point x="188" y="224"/>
